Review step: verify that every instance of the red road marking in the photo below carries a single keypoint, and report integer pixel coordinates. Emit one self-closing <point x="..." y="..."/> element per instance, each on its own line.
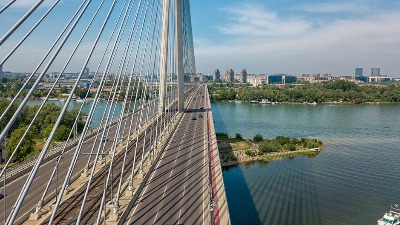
<point x="212" y="170"/>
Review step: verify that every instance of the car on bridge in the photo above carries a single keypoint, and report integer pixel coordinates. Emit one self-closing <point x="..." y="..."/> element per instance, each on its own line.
<point x="190" y="110"/>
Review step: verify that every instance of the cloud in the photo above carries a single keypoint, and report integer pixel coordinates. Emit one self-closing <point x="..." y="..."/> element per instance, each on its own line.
<point x="356" y="7"/>
<point x="336" y="46"/>
<point x="254" y="20"/>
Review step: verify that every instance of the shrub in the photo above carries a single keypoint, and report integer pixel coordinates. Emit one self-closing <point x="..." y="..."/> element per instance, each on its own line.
<point x="269" y="146"/>
<point x="258" y="138"/>
<point x="222" y="135"/>
<point x="250" y="152"/>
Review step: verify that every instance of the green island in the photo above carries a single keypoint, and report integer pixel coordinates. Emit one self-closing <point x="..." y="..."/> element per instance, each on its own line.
<point x="235" y="150"/>
<point x="338" y="91"/>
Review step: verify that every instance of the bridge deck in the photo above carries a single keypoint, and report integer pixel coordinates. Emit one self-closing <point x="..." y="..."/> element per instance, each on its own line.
<point x="178" y="189"/>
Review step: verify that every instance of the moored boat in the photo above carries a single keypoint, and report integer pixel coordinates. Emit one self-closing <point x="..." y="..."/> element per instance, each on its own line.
<point x="392" y="217"/>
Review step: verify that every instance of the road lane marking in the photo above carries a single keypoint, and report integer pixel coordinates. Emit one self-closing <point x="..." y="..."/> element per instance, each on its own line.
<point x="155" y="218"/>
<point x="165" y="189"/>
<point x="180" y="213"/>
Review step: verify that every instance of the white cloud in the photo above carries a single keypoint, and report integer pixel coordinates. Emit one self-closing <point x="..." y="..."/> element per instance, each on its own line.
<point x="356" y="7"/>
<point x="254" y="20"/>
<point x="337" y="46"/>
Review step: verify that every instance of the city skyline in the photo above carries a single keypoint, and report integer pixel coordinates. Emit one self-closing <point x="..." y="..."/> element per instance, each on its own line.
<point x="292" y="37"/>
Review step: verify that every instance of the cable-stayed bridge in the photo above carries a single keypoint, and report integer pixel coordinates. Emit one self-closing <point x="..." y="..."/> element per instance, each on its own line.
<point x="146" y="152"/>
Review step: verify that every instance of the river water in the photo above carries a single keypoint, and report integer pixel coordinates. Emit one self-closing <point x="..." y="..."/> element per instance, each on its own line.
<point x="354" y="180"/>
<point x="98" y="113"/>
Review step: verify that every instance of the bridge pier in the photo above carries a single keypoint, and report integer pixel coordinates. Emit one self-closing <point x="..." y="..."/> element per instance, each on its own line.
<point x="179" y="54"/>
<point x="164" y="56"/>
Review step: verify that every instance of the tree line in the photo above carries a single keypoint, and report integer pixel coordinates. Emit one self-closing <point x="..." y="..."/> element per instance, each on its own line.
<point x="333" y="91"/>
<point x="41" y="128"/>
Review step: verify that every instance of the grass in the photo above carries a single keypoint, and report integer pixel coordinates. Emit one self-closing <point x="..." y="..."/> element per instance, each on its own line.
<point x="236" y="144"/>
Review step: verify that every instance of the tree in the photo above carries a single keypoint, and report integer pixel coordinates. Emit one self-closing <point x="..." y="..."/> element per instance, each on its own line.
<point x="238" y="136"/>
<point x="64" y="90"/>
<point x="258" y="138"/>
<point x="47" y="130"/>
<point x="269" y="146"/>
<point x="62" y="133"/>
<point x="26" y="148"/>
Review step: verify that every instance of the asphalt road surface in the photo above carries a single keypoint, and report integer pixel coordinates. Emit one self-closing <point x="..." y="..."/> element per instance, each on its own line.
<point x="177" y="191"/>
<point x="37" y="188"/>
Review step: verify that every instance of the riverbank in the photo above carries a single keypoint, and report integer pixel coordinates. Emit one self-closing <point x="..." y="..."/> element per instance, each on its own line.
<point x="234" y="151"/>
<point x="238" y="157"/>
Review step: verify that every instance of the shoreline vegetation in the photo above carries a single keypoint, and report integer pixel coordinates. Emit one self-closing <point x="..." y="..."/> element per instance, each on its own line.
<point x="236" y="150"/>
<point x="338" y="91"/>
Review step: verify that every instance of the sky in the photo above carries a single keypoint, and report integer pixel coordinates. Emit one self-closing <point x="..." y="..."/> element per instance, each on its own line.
<point x="297" y="36"/>
<point x="281" y="36"/>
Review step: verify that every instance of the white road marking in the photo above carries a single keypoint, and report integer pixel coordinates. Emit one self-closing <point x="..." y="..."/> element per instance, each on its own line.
<point x="164" y="191"/>
<point x="180" y="213"/>
<point x="155" y="218"/>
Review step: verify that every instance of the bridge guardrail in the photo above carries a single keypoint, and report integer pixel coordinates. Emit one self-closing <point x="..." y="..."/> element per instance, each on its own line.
<point x="24" y="167"/>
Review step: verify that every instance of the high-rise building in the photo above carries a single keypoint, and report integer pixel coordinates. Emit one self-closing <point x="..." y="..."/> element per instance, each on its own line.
<point x="375" y="72"/>
<point x="1" y="70"/>
<point x="217" y="74"/>
<point x="359" y="72"/>
<point x="229" y="75"/>
<point x="86" y="72"/>
<point x="243" y="76"/>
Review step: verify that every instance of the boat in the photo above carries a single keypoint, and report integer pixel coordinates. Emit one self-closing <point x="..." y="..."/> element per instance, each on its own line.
<point x="392" y="217"/>
<point x="254" y="102"/>
<point x="265" y="101"/>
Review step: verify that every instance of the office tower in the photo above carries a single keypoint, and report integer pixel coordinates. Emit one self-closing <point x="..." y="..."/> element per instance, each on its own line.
<point x="243" y="76"/>
<point x="229" y="75"/>
<point x="359" y="72"/>
<point x="217" y="74"/>
<point x="375" y="72"/>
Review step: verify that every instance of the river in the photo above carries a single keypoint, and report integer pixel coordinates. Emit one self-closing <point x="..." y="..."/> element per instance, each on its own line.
<point x="98" y="113"/>
<point x="354" y="180"/>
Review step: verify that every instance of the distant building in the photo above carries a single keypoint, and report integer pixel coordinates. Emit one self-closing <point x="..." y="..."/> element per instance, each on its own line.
<point x="86" y="72"/>
<point x="359" y="72"/>
<point x="229" y="75"/>
<point x="1" y="70"/>
<point x="258" y="80"/>
<point x="243" y="76"/>
<point x="290" y="79"/>
<point x="281" y="79"/>
<point x="54" y="75"/>
<point x="375" y="72"/>
<point x="361" y="78"/>
<point x="382" y="78"/>
<point x="217" y="74"/>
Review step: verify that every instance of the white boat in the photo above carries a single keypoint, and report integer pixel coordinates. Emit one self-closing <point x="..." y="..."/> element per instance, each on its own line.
<point x="265" y="101"/>
<point x="392" y="217"/>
